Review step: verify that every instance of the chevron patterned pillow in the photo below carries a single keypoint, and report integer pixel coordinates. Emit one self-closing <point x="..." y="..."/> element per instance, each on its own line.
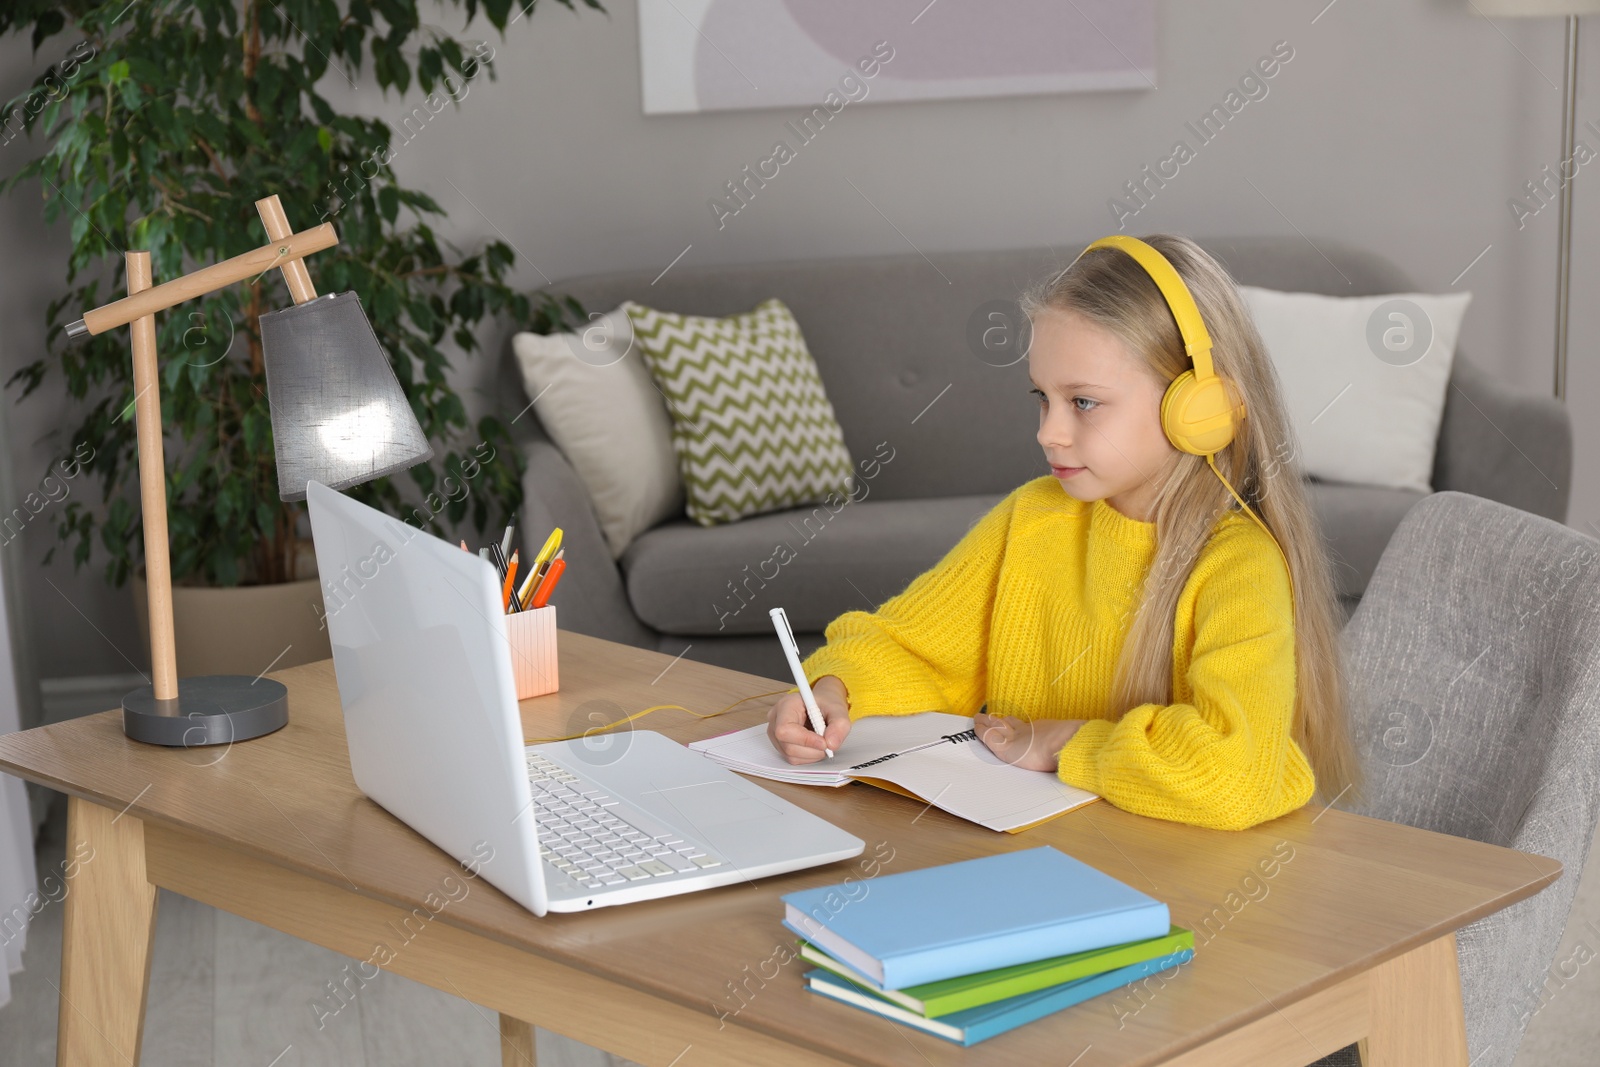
<point x="753" y="430"/>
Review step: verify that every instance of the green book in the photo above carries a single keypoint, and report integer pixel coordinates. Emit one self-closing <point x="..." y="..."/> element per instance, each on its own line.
<point x="932" y="999"/>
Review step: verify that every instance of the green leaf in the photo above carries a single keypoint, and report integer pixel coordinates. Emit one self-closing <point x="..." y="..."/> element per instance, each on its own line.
<point x="389" y="202"/>
<point x="48" y="24"/>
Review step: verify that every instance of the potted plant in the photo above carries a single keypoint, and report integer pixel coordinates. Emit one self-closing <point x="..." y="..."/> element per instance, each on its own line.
<point x="164" y="121"/>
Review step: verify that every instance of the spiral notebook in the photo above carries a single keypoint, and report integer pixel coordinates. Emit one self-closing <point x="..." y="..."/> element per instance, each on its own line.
<point x="930" y="756"/>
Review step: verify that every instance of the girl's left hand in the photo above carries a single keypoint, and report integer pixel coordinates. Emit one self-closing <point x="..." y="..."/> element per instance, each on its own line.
<point x="1032" y="744"/>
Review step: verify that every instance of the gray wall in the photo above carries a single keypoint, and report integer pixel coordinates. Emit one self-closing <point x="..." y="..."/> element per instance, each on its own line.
<point x="1402" y="126"/>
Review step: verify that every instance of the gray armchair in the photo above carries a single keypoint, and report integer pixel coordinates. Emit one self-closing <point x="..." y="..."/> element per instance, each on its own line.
<point x="1474" y="662"/>
<point x="891" y="338"/>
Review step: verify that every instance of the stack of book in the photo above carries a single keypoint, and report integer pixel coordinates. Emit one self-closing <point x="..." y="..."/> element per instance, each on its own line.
<point x="972" y="949"/>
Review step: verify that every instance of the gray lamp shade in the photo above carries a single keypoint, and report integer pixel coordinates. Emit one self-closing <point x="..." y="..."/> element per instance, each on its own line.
<point x="1511" y="8"/>
<point x="338" y="412"/>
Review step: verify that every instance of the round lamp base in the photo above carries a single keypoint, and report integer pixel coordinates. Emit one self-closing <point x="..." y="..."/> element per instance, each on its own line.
<point x="214" y="710"/>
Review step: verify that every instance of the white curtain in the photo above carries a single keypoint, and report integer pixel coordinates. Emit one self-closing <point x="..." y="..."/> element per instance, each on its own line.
<point x="18" y="878"/>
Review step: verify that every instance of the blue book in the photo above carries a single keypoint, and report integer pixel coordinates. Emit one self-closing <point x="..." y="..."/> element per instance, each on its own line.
<point x="974" y="915"/>
<point x="972" y="1025"/>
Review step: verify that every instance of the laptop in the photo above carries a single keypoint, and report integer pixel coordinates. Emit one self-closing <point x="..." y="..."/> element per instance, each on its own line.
<point x="430" y="710"/>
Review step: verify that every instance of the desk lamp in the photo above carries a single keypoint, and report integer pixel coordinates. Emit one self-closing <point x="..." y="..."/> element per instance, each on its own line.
<point x="338" y="415"/>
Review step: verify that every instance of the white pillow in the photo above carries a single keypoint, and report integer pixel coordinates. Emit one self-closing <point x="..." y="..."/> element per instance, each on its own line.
<point x="1364" y="378"/>
<point x="596" y="399"/>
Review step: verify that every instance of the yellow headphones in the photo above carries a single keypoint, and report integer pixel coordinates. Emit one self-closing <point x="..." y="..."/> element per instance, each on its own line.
<point x="1199" y="413"/>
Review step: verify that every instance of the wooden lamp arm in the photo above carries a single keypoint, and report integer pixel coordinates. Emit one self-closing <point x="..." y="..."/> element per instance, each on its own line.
<point x="285" y="253"/>
<point x="295" y="275"/>
<point x="152" y="490"/>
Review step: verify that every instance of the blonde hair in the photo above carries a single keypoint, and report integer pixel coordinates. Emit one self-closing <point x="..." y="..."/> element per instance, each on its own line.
<point x="1110" y="288"/>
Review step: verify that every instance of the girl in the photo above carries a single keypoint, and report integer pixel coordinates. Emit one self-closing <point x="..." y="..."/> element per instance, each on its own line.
<point x="1121" y="623"/>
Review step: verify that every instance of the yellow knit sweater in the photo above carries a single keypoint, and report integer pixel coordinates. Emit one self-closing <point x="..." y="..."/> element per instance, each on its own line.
<point x="1028" y="613"/>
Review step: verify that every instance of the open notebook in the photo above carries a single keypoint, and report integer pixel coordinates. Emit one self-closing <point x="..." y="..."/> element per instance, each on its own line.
<point x="931" y="756"/>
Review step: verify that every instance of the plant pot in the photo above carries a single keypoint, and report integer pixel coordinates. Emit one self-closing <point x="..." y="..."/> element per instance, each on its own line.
<point x="243" y="629"/>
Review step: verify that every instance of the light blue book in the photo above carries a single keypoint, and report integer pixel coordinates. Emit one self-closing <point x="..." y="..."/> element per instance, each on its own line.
<point x="973" y="915"/>
<point x="972" y="1025"/>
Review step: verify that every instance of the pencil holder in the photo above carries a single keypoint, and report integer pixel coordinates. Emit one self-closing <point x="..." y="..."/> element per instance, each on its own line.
<point x="532" y="637"/>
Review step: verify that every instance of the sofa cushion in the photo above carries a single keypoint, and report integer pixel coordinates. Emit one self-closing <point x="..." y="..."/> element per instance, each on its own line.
<point x="1364" y="378"/>
<point x="597" y="401"/>
<point x="1357" y="522"/>
<point x="751" y="424"/>
<point x="816" y="563"/>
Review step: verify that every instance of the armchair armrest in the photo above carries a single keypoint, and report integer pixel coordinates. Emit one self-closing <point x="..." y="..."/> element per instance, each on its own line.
<point x="1507" y="445"/>
<point x="590" y="598"/>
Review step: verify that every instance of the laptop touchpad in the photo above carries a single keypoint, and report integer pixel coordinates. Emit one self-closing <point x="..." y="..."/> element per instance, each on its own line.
<point x="713" y="804"/>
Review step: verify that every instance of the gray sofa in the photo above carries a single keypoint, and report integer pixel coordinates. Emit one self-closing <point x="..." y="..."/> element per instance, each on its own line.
<point x="890" y="335"/>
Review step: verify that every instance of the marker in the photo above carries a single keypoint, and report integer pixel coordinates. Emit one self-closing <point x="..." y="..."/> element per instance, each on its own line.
<point x="548" y="586"/>
<point x="551" y="543"/>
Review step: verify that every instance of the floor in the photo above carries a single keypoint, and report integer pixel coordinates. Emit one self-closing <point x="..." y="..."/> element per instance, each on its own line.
<point x="226" y="992"/>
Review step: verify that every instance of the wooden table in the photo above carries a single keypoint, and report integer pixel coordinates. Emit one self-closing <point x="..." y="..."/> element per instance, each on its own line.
<point x="1312" y="931"/>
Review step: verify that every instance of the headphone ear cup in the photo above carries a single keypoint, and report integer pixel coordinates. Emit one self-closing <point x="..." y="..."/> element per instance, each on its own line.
<point x="1200" y="417"/>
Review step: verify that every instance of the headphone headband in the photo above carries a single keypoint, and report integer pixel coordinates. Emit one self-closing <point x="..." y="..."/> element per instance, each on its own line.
<point x="1196" y="341"/>
<point x="1197" y="414"/>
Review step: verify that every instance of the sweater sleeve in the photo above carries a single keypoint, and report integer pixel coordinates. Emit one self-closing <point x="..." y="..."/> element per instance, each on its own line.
<point x="1226" y="758"/>
<point x="926" y="648"/>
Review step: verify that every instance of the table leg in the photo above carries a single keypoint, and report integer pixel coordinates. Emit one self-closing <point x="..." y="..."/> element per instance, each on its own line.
<point x="107" y="930"/>
<point x="1415" y="1014"/>
<point x="516" y="1043"/>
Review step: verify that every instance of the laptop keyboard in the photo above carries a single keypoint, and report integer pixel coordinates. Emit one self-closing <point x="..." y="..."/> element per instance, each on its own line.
<point x="581" y="834"/>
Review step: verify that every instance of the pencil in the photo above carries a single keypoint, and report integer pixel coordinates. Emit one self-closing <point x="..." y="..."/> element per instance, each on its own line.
<point x="526" y="592"/>
<point x="510" y="584"/>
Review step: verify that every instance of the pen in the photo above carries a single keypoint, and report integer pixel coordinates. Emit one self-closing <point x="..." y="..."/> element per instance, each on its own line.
<point x="497" y="559"/>
<point x="548" y="586"/>
<point x="780" y="622"/>
<point x="510" y="584"/>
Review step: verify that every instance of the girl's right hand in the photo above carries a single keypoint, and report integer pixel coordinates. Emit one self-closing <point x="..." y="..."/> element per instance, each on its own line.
<point x="789" y="728"/>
